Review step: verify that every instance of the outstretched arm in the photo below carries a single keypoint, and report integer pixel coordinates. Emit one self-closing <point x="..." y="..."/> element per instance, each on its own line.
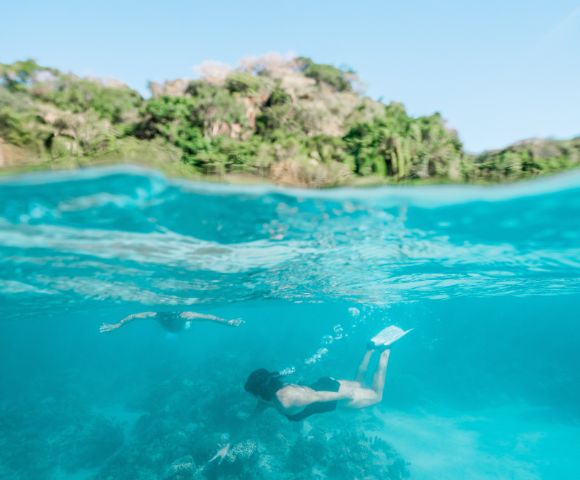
<point x="201" y="317"/>
<point x="325" y="396"/>
<point x="295" y="396"/>
<point x="109" y="327"/>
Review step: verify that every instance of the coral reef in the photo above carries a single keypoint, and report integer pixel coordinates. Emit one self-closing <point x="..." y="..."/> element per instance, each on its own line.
<point x="195" y="428"/>
<point x="187" y="426"/>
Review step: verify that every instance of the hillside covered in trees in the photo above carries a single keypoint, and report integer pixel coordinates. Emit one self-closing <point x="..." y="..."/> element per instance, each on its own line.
<point x="286" y="120"/>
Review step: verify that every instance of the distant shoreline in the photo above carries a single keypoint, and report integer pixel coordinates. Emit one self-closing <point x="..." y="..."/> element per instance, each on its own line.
<point x="287" y="121"/>
<point x="421" y="193"/>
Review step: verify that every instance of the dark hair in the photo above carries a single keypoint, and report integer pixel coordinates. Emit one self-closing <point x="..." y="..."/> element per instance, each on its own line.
<point x="264" y="384"/>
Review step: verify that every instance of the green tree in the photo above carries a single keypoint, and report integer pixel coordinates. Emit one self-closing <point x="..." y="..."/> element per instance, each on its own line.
<point x="337" y="78"/>
<point x="399" y="146"/>
<point x="18" y="76"/>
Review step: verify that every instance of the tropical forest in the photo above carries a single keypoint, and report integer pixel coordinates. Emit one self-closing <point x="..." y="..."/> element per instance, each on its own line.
<point x="277" y="119"/>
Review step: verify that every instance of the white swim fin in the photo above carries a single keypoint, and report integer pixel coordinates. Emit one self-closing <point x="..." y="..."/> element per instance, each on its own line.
<point x="388" y="336"/>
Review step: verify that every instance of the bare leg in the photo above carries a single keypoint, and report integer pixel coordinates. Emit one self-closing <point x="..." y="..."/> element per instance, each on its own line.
<point x="380" y="374"/>
<point x="363" y="367"/>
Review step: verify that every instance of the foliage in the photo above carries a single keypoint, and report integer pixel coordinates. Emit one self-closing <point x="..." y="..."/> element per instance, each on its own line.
<point x="292" y="121"/>
<point x="279" y="118"/>
<point x="79" y="95"/>
<point x="278" y="96"/>
<point x="212" y="107"/>
<point x="529" y="158"/>
<point x="399" y="146"/>
<point x="337" y="78"/>
<point x="244" y="83"/>
<point x="14" y="129"/>
<point x="18" y="76"/>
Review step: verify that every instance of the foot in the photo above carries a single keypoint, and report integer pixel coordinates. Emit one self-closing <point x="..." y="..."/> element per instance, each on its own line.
<point x="379" y="348"/>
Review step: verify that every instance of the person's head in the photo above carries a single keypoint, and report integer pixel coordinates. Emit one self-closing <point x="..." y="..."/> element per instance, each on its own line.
<point x="263" y="384"/>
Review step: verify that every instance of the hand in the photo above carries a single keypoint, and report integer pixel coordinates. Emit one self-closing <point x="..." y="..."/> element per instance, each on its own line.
<point x="108" y="327"/>
<point x="236" y="322"/>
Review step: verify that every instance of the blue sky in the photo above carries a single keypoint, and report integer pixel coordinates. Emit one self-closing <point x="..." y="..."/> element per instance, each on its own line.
<point x="498" y="71"/>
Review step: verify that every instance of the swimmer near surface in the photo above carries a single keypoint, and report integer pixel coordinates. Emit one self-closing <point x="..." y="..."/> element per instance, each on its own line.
<point x="171" y="321"/>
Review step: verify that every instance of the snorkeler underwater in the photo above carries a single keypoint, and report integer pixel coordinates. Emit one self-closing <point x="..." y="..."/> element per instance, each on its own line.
<point x="461" y="302"/>
<point x="298" y="402"/>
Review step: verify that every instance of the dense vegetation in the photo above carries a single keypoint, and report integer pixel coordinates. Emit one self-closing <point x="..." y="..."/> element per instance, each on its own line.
<point x="289" y="120"/>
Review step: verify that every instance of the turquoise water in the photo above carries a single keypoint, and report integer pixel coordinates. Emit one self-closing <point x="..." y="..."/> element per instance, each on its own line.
<point x="487" y="386"/>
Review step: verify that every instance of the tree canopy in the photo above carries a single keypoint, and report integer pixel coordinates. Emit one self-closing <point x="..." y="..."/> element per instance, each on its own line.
<point x="290" y="120"/>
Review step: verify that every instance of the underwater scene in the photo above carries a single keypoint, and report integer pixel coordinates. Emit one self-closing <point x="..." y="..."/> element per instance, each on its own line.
<point x="210" y="282"/>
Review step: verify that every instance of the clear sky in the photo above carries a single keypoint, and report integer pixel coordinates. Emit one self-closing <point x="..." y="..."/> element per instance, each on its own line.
<point x="498" y="71"/>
